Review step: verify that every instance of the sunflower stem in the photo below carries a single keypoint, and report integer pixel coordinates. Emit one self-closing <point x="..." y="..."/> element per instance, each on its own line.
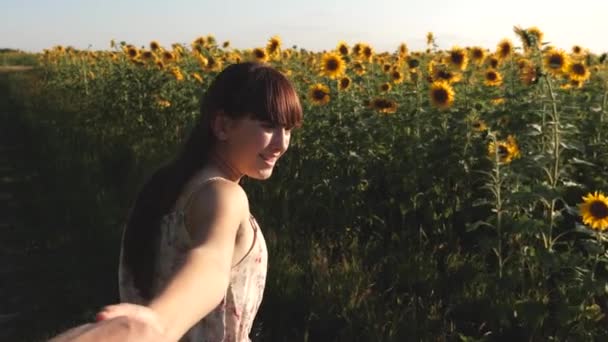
<point x="498" y="205"/>
<point x="555" y="151"/>
<point x="604" y="110"/>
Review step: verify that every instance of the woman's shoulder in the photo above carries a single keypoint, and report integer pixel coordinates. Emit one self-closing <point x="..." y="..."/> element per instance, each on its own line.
<point x="216" y="190"/>
<point x="214" y="198"/>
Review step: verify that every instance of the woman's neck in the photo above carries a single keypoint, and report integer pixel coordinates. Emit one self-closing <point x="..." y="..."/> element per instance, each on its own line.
<point x="224" y="167"/>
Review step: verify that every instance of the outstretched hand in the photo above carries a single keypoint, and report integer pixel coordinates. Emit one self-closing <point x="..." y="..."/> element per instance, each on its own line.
<point x="124" y="328"/>
<point x="138" y="312"/>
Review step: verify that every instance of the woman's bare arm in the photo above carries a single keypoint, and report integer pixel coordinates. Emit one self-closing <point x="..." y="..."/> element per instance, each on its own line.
<point x="213" y="219"/>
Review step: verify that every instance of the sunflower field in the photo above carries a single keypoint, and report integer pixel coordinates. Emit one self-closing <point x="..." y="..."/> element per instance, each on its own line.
<point x="436" y="195"/>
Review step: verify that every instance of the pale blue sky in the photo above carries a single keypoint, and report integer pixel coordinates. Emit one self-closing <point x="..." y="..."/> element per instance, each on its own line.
<point x="313" y="24"/>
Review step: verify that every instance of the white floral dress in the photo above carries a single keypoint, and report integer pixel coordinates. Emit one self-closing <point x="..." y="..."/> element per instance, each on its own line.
<point x="232" y="320"/>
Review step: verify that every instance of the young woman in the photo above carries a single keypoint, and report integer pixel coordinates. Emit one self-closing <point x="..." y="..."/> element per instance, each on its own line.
<point x="193" y="258"/>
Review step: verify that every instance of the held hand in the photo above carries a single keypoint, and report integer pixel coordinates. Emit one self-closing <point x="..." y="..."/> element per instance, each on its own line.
<point x="137" y="312"/>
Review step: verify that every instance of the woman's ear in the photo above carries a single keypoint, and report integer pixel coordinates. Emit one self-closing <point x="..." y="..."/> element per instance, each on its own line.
<point x="220" y="125"/>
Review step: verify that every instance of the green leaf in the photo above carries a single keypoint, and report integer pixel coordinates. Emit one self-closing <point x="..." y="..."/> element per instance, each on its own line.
<point x="474" y="226"/>
<point x="575" y="160"/>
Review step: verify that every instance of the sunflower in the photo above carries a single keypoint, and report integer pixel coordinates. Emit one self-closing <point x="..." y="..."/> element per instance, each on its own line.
<point x="147" y="55"/>
<point x="492" y="78"/>
<point x="447" y="75"/>
<point x="527" y="73"/>
<point x="197" y="77"/>
<point x="274" y="45"/>
<point x="385" y="87"/>
<point x="497" y="101"/>
<point x="478" y="55"/>
<point x="479" y="126"/>
<point x="168" y="56"/>
<point x="493" y="62"/>
<point x="458" y="58"/>
<point x="332" y="65"/>
<point x="577" y="50"/>
<point x="213" y="64"/>
<point x="202" y="60"/>
<point x="177" y="73"/>
<point x="412" y="63"/>
<point x="397" y="76"/>
<point x="402" y="50"/>
<point x="430" y="38"/>
<point x="342" y="48"/>
<point x="226" y="44"/>
<point x="523" y="63"/>
<point x="344" y="83"/>
<point x="359" y="68"/>
<point x="132" y="51"/>
<point x="536" y="33"/>
<point x="178" y="50"/>
<point x="319" y="94"/>
<point x="594" y="210"/>
<point x="260" y="55"/>
<point x="210" y="40"/>
<point x="384" y="105"/>
<point x="154" y="45"/>
<point x="530" y="37"/>
<point x="162" y="103"/>
<point x="578" y="72"/>
<point x="556" y="62"/>
<point x="386" y="67"/>
<point x="442" y="94"/>
<point x="367" y="53"/>
<point x="200" y="41"/>
<point x="506" y="150"/>
<point x="504" y="49"/>
<point x="235" y="58"/>
<point x="357" y="49"/>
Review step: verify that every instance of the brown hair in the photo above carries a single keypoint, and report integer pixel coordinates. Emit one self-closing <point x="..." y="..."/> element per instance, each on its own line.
<point x="241" y="90"/>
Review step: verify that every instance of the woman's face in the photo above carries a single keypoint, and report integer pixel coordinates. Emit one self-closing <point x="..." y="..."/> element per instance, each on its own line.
<point x="253" y="147"/>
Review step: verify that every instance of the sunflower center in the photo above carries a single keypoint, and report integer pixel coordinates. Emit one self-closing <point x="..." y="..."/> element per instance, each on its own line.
<point x="343" y="50"/>
<point x="503" y="151"/>
<point x="318" y="94"/>
<point x="491" y="76"/>
<point x="444" y="75"/>
<point x="578" y="69"/>
<point x="599" y="210"/>
<point x="457" y="57"/>
<point x="344" y="82"/>
<point x="556" y="61"/>
<point x="259" y="54"/>
<point x="332" y="65"/>
<point x="494" y="62"/>
<point x="440" y="95"/>
<point x="477" y="54"/>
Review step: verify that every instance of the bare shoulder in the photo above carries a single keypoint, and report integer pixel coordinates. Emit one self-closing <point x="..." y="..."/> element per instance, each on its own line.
<point x="216" y="203"/>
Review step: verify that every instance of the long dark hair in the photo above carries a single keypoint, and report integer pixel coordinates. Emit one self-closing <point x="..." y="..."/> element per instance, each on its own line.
<point x="240" y="90"/>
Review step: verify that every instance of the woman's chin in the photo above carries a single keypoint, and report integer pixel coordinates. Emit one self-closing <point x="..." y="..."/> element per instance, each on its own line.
<point x="261" y="174"/>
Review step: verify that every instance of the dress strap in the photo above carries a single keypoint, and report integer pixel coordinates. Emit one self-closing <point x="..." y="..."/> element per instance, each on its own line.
<point x="197" y="189"/>
<point x="253" y="224"/>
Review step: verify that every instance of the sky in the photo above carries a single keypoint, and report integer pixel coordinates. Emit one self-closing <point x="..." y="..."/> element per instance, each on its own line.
<point x="313" y="24"/>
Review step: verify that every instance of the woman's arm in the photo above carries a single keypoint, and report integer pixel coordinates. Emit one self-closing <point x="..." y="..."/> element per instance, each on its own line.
<point x="200" y="284"/>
